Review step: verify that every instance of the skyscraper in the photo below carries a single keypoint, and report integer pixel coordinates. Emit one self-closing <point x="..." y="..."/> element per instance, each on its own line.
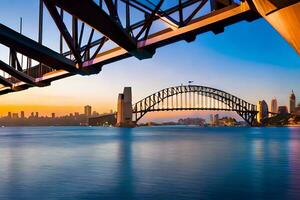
<point x="22" y="114"/>
<point x="274" y="106"/>
<point x="88" y="110"/>
<point x="292" y="102"/>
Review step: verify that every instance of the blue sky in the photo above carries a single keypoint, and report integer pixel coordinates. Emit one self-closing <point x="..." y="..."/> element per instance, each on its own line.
<point x="249" y="60"/>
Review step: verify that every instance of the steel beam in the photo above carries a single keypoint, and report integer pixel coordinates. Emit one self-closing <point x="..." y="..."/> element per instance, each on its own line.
<point x="34" y="50"/>
<point x="72" y="43"/>
<point x="17" y="74"/>
<point x="90" y="13"/>
<point x="5" y="82"/>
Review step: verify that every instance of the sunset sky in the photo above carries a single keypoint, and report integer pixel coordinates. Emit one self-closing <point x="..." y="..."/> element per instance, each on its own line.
<point x="249" y="60"/>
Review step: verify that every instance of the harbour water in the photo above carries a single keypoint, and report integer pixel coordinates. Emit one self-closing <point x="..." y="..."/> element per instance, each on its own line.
<point x="180" y="163"/>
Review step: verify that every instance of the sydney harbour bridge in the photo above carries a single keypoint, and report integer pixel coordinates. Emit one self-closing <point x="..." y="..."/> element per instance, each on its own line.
<point x="95" y="33"/>
<point x="179" y="98"/>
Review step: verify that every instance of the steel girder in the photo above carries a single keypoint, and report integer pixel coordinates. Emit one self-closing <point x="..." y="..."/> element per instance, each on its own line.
<point x="90" y="13"/>
<point x="4" y="81"/>
<point x="34" y="50"/>
<point x="16" y="74"/>
<point x="105" y="18"/>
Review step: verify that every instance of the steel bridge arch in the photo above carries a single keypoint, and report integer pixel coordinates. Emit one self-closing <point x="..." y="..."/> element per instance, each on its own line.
<point x="194" y="97"/>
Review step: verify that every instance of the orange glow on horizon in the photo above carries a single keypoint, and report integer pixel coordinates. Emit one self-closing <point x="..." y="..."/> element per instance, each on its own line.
<point x="61" y="110"/>
<point x="43" y="110"/>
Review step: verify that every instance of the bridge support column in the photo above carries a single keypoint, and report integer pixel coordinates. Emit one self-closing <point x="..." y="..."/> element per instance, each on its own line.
<point x="284" y="16"/>
<point x="124" y="113"/>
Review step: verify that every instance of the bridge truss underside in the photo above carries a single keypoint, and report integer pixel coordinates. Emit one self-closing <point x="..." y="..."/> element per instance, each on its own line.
<point x="194" y="97"/>
<point x="91" y="34"/>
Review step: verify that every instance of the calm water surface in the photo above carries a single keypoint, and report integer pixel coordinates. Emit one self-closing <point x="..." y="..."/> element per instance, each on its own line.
<point x="149" y="163"/>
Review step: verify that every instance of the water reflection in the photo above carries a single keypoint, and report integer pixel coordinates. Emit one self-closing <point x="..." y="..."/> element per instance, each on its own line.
<point x="294" y="163"/>
<point x="126" y="185"/>
<point x="149" y="163"/>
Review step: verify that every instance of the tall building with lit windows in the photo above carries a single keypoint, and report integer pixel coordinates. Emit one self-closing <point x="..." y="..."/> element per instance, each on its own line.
<point x="292" y="102"/>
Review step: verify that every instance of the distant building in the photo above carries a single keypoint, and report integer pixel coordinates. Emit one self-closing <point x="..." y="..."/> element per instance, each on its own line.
<point x="15" y="115"/>
<point x="274" y="106"/>
<point x="282" y="110"/>
<point x="22" y="114"/>
<point x="263" y="111"/>
<point x="227" y="121"/>
<point x="297" y="111"/>
<point x="211" y="119"/>
<point x="95" y="114"/>
<point x="53" y="115"/>
<point x="37" y="114"/>
<point x="216" y="120"/>
<point x="292" y="102"/>
<point x="88" y="110"/>
<point x="192" y="121"/>
<point x="9" y="114"/>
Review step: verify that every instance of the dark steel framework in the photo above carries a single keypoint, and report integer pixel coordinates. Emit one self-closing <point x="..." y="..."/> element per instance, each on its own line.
<point x="95" y="33"/>
<point x="194" y="97"/>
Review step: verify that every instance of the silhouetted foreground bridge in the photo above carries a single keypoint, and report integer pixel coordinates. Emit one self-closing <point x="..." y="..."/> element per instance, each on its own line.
<point x="184" y="97"/>
<point x="92" y="34"/>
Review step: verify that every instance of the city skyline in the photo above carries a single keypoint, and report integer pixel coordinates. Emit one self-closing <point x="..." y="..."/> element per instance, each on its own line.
<point x="166" y="116"/>
<point x="251" y="69"/>
<point x="88" y="110"/>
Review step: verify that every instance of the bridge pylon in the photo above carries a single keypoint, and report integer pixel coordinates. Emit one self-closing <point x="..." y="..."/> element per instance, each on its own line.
<point x="124" y="113"/>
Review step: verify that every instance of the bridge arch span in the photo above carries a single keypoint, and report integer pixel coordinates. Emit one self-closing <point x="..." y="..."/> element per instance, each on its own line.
<point x="193" y="97"/>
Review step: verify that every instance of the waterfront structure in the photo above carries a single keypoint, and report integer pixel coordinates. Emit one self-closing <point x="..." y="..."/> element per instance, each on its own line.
<point x="88" y="110"/>
<point x="103" y="120"/>
<point x="124" y="113"/>
<point x="135" y="36"/>
<point x="274" y="107"/>
<point x="292" y="102"/>
<point x="262" y="108"/>
<point x="282" y="110"/>
<point x="192" y="97"/>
